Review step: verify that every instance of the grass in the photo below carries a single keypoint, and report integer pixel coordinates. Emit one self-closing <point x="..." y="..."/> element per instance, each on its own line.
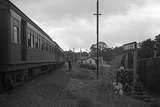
<point x="86" y="91"/>
<point x="85" y="102"/>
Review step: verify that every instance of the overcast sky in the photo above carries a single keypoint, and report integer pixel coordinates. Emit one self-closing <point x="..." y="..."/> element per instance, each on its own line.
<point x="71" y="23"/>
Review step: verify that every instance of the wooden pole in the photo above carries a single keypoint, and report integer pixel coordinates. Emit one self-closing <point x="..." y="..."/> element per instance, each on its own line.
<point x="97" y="38"/>
<point x="97" y="14"/>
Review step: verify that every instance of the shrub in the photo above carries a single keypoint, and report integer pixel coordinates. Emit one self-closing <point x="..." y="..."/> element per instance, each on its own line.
<point x="149" y="74"/>
<point x="88" y="66"/>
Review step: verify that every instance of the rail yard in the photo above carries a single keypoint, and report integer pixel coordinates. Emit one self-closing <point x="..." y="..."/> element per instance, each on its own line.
<point x="35" y="71"/>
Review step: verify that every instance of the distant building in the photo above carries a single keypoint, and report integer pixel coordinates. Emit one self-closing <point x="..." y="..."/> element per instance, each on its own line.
<point x="90" y="60"/>
<point x="101" y="61"/>
<point x="81" y="60"/>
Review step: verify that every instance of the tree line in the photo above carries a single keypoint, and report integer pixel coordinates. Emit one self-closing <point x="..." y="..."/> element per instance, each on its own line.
<point x="146" y="49"/>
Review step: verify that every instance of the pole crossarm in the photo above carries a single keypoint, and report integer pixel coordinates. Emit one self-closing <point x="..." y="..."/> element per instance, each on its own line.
<point x="97" y="14"/>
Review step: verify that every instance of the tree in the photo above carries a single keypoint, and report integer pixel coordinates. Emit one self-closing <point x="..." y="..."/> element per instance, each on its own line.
<point x="157" y="44"/>
<point x="104" y="51"/>
<point x="84" y="54"/>
<point x="107" y="54"/>
<point x="146" y="49"/>
<point x="118" y="50"/>
<point x="101" y="47"/>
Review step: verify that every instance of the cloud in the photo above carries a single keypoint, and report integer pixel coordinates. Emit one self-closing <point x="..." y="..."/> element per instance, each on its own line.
<point x="72" y="25"/>
<point x="77" y="34"/>
<point x="138" y="24"/>
<point x="54" y="9"/>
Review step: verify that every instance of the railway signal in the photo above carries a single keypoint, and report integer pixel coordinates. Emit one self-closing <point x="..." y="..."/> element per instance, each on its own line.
<point x="133" y="47"/>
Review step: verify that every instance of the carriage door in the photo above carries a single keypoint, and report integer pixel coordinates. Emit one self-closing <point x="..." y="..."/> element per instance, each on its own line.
<point x="23" y="40"/>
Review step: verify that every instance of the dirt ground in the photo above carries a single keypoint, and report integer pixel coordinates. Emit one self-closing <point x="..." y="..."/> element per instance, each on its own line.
<point x="78" y="88"/>
<point x="84" y="90"/>
<point x="39" y="92"/>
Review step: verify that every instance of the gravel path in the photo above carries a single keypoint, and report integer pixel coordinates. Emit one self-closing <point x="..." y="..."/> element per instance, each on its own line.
<point x="39" y="92"/>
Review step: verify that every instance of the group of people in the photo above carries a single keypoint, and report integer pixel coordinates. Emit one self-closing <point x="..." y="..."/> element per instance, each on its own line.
<point x="123" y="81"/>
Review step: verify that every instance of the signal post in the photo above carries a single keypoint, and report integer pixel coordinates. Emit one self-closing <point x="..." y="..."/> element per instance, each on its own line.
<point x="133" y="47"/>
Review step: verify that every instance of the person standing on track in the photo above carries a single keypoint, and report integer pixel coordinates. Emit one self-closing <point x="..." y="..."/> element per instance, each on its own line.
<point x="70" y="65"/>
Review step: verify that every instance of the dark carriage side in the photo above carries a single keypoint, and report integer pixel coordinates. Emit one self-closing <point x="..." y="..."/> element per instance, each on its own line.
<point x="27" y="50"/>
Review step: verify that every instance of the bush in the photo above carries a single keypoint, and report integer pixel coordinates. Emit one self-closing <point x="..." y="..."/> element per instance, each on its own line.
<point x="88" y="66"/>
<point x="85" y="102"/>
<point x="149" y="74"/>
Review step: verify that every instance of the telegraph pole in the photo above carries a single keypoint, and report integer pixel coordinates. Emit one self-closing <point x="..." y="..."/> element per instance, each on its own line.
<point x="73" y="57"/>
<point x="97" y="14"/>
<point x="80" y="52"/>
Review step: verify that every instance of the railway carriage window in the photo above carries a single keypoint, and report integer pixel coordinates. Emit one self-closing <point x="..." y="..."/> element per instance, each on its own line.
<point x="49" y="48"/>
<point x="52" y="49"/>
<point x="35" y="37"/>
<point x="29" y="39"/>
<point x="43" y="45"/>
<point x="15" y="38"/>
<point x="36" y="41"/>
<point x="39" y="43"/>
<point x="32" y="40"/>
<point x="46" y="46"/>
